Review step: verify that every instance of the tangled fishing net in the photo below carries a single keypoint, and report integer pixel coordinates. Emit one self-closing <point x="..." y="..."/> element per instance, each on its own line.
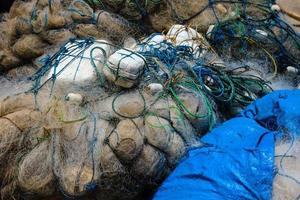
<point x="110" y="106"/>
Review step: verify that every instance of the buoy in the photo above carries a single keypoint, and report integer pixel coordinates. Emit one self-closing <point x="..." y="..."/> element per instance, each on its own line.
<point x="130" y="43"/>
<point x="75" y="67"/>
<point x="154" y="88"/>
<point x="124" y="68"/>
<point x="275" y="8"/>
<point x="74" y="98"/>
<point x="181" y="35"/>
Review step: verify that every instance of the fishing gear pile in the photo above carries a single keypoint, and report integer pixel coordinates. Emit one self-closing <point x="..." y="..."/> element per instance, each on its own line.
<point x="113" y="121"/>
<point x="238" y="30"/>
<point x="33" y="28"/>
<point x="112" y="109"/>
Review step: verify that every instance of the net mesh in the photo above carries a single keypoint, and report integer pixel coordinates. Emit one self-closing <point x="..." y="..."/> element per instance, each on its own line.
<point x="110" y="132"/>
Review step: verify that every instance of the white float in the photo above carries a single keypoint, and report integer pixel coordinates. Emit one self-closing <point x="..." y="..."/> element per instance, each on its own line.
<point x="154" y="88"/>
<point x="181" y="35"/>
<point x="74" y="98"/>
<point x="275" y="7"/>
<point x="75" y="65"/>
<point x="130" y="43"/>
<point x="124" y="68"/>
<point x="154" y="41"/>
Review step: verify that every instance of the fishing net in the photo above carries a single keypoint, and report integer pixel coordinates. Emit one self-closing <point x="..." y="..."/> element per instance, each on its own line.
<point x="287" y="161"/>
<point x="33" y="28"/>
<point x="116" y="120"/>
<point x="105" y="121"/>
<point x="239" y="30"/>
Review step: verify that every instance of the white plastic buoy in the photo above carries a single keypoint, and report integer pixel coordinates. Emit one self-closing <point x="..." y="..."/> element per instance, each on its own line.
<point x="130" y="43"/>
<point x="181" y="35"/>
<point x="76" y="65"/>
<point x="74" y="98"/>
<point x="124" y="68"/>
<point x="154" y="88"/>
<point x="153" y="41"/>
<point x="275" y="8"/>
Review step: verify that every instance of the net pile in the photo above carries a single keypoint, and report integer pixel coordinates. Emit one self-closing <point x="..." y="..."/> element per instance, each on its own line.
<point x="239" y="30"/>
<point x="109" y="121"/>
<point x="123" y="123"/>
<point x="34" y="28"/>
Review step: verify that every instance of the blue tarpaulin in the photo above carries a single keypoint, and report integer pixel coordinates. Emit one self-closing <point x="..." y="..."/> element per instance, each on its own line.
<point x="237" y="160"/>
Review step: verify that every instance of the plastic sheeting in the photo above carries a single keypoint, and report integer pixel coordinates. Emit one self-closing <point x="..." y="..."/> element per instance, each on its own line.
<point x="237" y="159"/>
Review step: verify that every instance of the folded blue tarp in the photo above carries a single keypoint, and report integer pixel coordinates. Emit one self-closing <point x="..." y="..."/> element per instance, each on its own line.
<point x="237" y="160"/>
